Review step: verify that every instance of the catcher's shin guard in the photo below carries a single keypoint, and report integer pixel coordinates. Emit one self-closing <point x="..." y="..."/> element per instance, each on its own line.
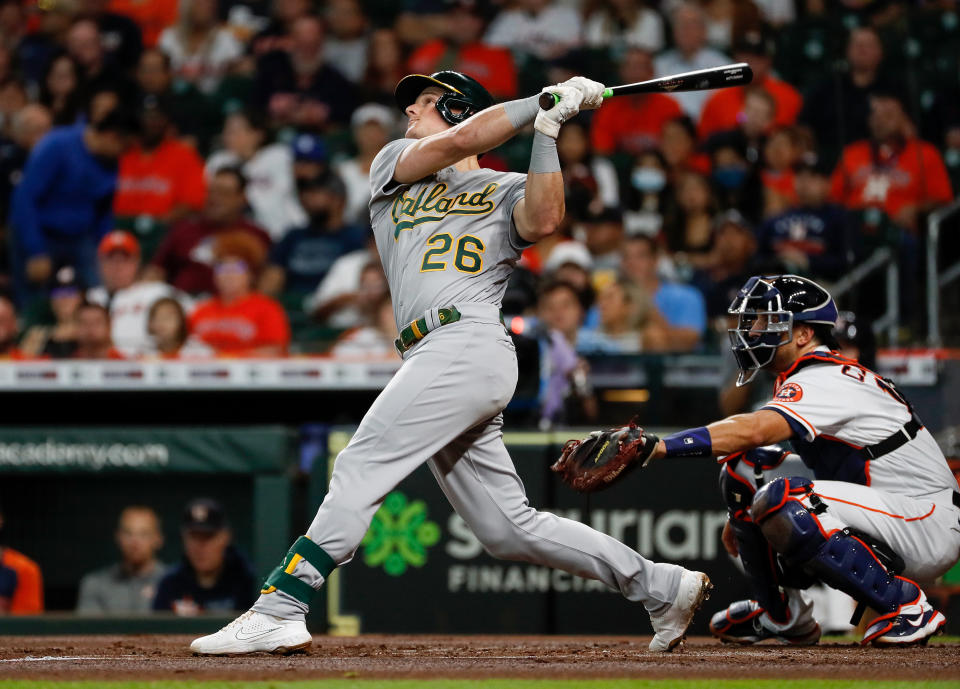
<point x="758" y="558"/>
<point x="840" y="559"/>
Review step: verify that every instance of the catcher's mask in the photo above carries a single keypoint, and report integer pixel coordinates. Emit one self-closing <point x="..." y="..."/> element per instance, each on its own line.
<point x="766" y="309"/>
<point x="463" y="95"/>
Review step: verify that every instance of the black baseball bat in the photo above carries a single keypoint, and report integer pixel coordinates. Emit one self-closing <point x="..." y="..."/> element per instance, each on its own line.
<point x="738" y="74"/>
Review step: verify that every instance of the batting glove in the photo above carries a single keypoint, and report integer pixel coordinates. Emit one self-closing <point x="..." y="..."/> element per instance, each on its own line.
<point x="548" y="121"/>
<point x="592" y="91"/>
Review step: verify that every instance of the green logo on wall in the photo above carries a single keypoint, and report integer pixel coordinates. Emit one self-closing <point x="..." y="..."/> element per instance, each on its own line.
<point x="399" y="535"/>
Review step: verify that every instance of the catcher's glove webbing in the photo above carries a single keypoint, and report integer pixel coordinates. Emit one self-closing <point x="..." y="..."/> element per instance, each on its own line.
<point x="603" y="457"/>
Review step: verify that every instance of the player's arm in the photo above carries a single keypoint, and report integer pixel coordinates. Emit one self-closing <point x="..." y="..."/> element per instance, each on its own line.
<point x="484" y="131"/>
<point x="727" y="436"/>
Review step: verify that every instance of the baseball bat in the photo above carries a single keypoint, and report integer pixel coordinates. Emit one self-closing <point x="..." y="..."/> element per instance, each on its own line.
<point x="738" y="74"/>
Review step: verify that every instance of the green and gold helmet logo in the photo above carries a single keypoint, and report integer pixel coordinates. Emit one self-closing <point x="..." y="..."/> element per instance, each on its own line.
<point x="399" y="535"/>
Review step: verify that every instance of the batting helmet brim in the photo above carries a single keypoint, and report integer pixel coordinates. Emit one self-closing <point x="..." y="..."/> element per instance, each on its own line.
<point x="411" y="86"/>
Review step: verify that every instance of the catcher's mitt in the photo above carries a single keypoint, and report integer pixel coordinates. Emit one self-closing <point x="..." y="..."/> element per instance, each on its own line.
<point x="601" y="458"/>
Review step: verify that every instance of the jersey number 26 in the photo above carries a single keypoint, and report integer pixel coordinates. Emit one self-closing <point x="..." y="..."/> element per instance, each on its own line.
<point x="468" y="258"/>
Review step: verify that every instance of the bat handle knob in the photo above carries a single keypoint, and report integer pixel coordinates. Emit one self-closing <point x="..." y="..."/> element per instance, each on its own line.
<point x="548" y="100"/>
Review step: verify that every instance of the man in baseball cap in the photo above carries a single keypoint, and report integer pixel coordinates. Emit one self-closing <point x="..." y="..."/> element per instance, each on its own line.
<point x="213" y="574"/>
<point x="128" y="300"/>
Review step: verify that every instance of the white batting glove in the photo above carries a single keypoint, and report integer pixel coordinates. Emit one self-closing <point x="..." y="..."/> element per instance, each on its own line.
<point x="592" y="91"/>
<point x="548" y="121"/>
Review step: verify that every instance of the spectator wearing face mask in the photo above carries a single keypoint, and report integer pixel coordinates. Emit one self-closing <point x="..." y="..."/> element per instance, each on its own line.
<point x="647" y="198"/>
<point x="300" y="261"/>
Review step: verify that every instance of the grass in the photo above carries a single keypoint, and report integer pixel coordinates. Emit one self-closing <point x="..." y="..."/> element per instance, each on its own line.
<point x="351" y="683"/>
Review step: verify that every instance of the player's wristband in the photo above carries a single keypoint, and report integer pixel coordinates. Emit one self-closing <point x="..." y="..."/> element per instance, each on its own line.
<point x="693" y="442"/>
<point x="543" y="156"/>
<point x="522" y="112"/>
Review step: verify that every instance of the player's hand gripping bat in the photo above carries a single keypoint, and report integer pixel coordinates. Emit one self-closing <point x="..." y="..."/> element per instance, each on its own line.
<point x="738" y="74"/>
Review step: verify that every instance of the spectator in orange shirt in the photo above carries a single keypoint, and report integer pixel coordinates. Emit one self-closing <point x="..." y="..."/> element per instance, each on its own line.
<point x="462" y="50"/>
<point x="725" y="108"/>
<point x="161" y="177"/>
<point x="892" y="170"/>
<point x="239" y="321"/>
<point x="93" y="333"/>
<point x="21" y="583"/>
<point x="632" y="124"/>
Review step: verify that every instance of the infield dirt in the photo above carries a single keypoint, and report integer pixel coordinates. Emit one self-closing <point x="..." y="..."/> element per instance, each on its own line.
<point x="167" y="657"/>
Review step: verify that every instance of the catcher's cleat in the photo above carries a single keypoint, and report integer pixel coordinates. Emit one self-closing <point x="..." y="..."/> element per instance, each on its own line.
<point x="671" y="627"/>
<point x="740" y="624"/>
<point x="910" y="624"/>
<point x="254" y="632"/>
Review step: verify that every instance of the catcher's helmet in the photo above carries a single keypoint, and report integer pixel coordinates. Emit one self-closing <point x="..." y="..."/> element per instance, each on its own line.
<point x="462" y="93"/>
<point x="766" y="308"/>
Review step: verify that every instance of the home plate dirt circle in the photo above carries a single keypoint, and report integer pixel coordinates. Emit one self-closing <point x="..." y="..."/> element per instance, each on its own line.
<point x="168" y="657"/>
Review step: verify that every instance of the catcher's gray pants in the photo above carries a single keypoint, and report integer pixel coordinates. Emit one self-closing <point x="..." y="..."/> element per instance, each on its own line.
<point x="443" y="407"/>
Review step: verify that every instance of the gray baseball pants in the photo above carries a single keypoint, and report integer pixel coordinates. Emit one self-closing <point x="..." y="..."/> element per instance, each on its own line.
<point x="443" y="407"/>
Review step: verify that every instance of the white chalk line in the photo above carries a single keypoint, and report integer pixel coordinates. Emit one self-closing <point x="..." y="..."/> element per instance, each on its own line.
<point x="53" y="659"/>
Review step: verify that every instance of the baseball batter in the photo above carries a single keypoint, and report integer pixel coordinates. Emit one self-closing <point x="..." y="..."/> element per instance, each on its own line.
<point x="449" y="234"/>
<point x="880" y="517"/>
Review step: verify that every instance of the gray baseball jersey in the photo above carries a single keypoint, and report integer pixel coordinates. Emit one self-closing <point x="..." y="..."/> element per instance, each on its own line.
<point x="446" y="239"/>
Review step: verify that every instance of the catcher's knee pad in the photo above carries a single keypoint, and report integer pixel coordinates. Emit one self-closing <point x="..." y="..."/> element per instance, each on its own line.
<point x="786" y="524"/>
<point x="847" y="563"/>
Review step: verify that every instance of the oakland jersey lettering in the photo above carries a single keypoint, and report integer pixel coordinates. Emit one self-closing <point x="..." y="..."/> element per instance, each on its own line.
<point x="431" y="206"/>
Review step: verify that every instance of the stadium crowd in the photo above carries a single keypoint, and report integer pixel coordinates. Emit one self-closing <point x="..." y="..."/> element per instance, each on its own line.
<point x="189" y="179"/>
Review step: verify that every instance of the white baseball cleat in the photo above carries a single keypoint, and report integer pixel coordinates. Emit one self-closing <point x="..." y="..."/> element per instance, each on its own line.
<point x="254" y="632"/>
<point x="671" y="627"/>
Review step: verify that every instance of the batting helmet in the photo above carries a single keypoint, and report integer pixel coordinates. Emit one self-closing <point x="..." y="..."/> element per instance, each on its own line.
<point x="461" y="93"/>
<point x="766" y="308"/>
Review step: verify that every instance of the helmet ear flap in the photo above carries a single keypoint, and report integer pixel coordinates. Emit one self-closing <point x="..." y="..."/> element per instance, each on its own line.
<point x="448" y="102"/>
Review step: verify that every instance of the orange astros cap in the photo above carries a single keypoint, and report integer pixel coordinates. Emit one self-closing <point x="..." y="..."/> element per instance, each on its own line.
<point x="119" y="240"/>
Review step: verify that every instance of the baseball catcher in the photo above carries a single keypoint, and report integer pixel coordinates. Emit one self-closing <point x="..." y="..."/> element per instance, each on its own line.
<point x="882" y="513"/>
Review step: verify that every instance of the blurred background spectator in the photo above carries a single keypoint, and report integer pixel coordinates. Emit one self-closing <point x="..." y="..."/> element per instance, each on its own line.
<point x="460" y="48"/>
<point x="169" y="332"/>
<point x="617" y="25"/>
<point x="201" y="50"/>
<point x="268" y="168"/>
<point x="213" y="575"/>
<point x="690" y="52"/>
<point x="61" y="208"/>
<point x="21" y="582"/>
<point x="130" y="585"/>
<point x="128" y="300"/>
<point x="94" y="340"/>
<point x="237" y="320"/>
<point x="185" y="257"/>
<point x="372" y="126"/>
<point x="9" y="329"/>
<point x="52" y="328"/>
<point x="632" y="124"/>
<point x="300" y="261"/>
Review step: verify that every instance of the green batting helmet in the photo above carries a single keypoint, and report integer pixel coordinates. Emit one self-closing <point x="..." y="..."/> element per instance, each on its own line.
<point x="461" y="93"/>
